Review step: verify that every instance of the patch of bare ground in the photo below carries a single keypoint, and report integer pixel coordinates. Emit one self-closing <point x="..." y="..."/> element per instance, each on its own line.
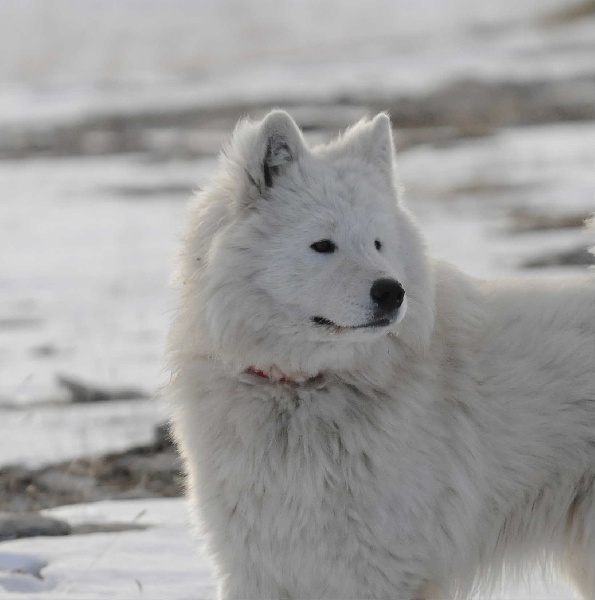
<point x="147" y="471"/>
<point x="570" y="258"/>
<point x="523" y="220"/>
<point x="463" y="108"/>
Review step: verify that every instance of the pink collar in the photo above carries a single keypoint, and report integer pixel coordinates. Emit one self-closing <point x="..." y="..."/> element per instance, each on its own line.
<point x="275" y="375"/>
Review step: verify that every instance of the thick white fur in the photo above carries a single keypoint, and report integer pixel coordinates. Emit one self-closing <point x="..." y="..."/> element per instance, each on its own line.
<point x="427" y="456"/>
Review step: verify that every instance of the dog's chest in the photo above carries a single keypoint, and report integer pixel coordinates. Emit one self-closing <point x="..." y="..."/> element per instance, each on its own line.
<point x="322" y="474"/>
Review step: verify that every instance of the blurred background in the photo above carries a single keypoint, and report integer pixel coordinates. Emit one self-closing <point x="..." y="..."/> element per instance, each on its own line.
<point x="112" y="113"/>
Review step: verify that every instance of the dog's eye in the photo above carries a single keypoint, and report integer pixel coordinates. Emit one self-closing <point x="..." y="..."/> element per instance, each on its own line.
<point x="378" y="244"/>
<point x="324" y="246"/>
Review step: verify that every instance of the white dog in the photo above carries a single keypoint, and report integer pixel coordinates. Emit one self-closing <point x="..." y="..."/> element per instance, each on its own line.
<point x="358" y="420"/>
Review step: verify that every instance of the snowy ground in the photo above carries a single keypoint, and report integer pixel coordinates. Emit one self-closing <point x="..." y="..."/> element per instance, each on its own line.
<point x="110" y="114"/>
<point x="157" y="563"/>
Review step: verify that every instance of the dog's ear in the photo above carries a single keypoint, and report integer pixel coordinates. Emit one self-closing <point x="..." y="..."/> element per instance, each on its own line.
<point x="278" y="143"/>
<point x="377" y="142"/>
<point x="372" y="142"/>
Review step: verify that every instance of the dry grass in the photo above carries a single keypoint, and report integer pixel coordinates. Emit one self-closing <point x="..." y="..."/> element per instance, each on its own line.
<point x="147" y="471"/>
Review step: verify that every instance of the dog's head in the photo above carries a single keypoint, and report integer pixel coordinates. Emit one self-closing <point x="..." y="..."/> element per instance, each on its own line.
<point x="305" y="251"/>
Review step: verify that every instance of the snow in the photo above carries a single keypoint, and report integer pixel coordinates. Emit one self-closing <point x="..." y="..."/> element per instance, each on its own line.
<point x="558" y="160"/>
<point x="71" y="41"/>
<point x="227" y="52"/>
<point x="162" y="561"/>
<point x="98" y="298"/>
<point x="474" y="185"/>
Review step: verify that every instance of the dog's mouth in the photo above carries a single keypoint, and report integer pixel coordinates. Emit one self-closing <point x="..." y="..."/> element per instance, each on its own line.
<point x="376" y="323"/>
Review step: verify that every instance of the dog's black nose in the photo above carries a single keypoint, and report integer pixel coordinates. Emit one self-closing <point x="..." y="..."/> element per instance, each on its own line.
<point x="388" y="295"/>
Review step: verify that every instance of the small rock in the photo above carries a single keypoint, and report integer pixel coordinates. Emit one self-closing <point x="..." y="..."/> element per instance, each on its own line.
<point x="86" y="392"/>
